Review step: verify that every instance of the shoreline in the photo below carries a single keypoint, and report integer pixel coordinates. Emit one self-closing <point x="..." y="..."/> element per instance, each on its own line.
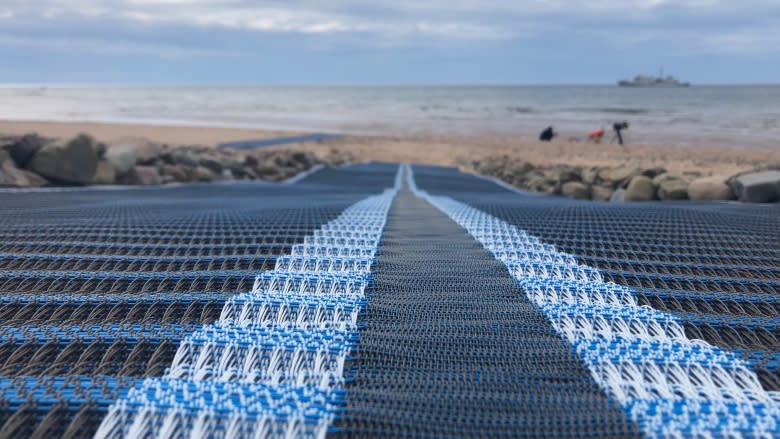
<point x="181" y="132"/>
<point x="435" y="150"/>
<point x="100" y="153"/>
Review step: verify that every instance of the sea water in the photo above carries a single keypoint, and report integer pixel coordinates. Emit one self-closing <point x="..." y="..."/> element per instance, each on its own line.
<point x="734" y="116"/>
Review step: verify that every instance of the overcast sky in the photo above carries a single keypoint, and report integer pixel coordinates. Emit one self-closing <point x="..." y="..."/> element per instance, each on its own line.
<point x="387" y="41"/>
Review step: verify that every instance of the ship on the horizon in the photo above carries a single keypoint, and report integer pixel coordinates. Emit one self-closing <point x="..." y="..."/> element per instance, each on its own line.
<point x="653" y="81"/>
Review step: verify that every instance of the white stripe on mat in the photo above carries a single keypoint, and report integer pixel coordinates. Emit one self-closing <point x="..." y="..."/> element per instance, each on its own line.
<point x="671" y="386"/>
<point x="272" y="366"/>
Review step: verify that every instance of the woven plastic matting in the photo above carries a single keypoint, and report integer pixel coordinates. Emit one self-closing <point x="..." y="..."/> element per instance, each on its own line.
<point x="378" y="300"/>
<point x="99" y="287"/>
<point x="637" y="287"/>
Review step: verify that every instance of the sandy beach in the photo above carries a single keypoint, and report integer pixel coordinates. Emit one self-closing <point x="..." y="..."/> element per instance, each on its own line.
<point x="449" y="151"/>
<point x="111" y="132"/>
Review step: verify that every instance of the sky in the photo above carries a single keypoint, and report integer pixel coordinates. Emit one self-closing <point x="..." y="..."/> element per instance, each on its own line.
<point x="381" y="42"/>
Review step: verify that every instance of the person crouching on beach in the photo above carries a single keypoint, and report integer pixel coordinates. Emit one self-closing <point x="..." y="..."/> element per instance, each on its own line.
<point x="596" y="136"/>
<point x="547" y="135"/>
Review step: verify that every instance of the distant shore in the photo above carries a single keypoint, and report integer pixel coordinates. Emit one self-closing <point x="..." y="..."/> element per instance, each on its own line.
<point x="575" y="169"/>
<point x="448" y="151"/>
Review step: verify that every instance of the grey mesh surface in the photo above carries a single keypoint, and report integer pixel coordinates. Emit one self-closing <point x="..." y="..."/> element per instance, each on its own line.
<point x="715" y="266"/>
<point x="450" y="347"/>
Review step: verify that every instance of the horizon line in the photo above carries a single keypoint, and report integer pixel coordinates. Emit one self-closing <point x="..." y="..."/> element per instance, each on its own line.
<point x="355" y="85"/>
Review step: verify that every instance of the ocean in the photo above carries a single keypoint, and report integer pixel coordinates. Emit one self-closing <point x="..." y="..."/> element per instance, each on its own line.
<point x="734" y="116"/>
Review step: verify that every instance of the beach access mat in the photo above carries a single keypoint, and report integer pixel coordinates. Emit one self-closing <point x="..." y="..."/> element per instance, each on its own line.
<point x="384" y="300"/>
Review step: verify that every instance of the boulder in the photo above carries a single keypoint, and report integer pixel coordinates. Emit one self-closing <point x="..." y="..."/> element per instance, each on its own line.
<point x="601" y="193"/>
<point x="204" y="174"/>
<point x="184" y="158"/>
<point x="11" y="176"/>
<point x="303" y="158"/>
<point x="618" y="196"/>
<point x="250" y="174"/>
<point x="710" y="189"/>
<point x="251" y="161"/>
<point x="122" y="158"/>
<point x="653" y="172"/>
<point x="589" y="176"/>
<point x="227" y="175"/>
<point x="620" y="175"/>
<point x="569" y="175"/>
<point x="660" y="178"/>
<point x="539" y="183"/>
<point x="267" y="170"/>
<point x="640" y="189"/>
<point x="212" y="163"/>
<point x="518" y="170"/>
<point x="757" y="187"/>
<point x="673" y="189"/>
<point x="143" y="176"/>
<point x="146" y="152"/>
<point x="100" y="150"/>
<point x="24" y="148"/>
<point x="105" y="173"/>
<point x="576" y="190"/>
<point x="72" y="162"/>
<point x="177" y="172"/>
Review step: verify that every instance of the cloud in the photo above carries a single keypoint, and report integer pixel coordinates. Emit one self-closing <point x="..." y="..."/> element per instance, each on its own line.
<point x="183" y="27"/>
<point x="98" y="46"/>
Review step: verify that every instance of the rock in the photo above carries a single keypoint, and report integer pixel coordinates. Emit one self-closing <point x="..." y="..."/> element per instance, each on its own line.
<point x="710" y="189"/>
<point x="589" y="176"/>
<point x="267" y="170"/>
<point x="105" y="173"/>
<point x="184" y="158"/>
<point x="673" y="189"/>
<point x="569" y="175"/>
<point x="539" y="183"/>
<point x="143" y="176"/>
<point x="227" y="175"/>
<point x="576" y="190"/>
<point x="24" y="148"/>
<point x="146" y="152"/>
<point x="100" y="150"/>
<point x="601" y="193"/>
<point x="619" y="176"/>
<point x="11" y="176"/>
<point x="234" y="164"/>
<point x="177" y="172"/>
<point x="658" y="179"/>
<point x="122" y="158"/>
<point x="303" y="158"/>
<point x="251" y="161"/>
<point x="618" y="197"/>
<point x="518" y="170"/>
<point x="212" y="163"/>
<point x="653" y="172"/>
<point x="640" y="189"/>
<point x="204" y="174"/>
<point x="72" y="162"/>
<point x="757" y="187"/>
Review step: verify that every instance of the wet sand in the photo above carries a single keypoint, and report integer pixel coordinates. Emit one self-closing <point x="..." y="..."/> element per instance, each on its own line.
<point x="454" y="151"/>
